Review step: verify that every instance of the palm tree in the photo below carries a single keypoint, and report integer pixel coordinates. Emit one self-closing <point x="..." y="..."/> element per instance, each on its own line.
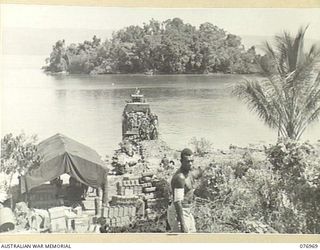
<point x="288" y="99"/>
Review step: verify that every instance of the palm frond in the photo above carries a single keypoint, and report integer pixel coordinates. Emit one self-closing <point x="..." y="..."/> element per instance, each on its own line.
<point x="269" y="50"/>
<point x="308" y="97"/>
<point x="313" y="117"/>
<point x="271" y="53"/>
<point x="283" y="45"/>
<point x="313" y="50"/>
<point x="289" y="98"/>
<point x="258" y="101"/>
<point x="305" y="72"/>
<point x="298" y="46"/>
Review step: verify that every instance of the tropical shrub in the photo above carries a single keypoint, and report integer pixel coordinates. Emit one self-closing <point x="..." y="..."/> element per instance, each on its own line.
<point x="298" y="166"/>
<point x="278" y="193"/>
<point x="18" y="154"/>
<point x="201" y="146"/>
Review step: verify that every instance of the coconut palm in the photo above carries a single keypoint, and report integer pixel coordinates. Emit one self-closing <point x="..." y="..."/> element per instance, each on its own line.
<point x="288" y="99"/>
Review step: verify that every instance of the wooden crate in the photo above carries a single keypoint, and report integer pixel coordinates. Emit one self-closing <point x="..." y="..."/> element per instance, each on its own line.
<point x="78" y="224"/>
<point x="58" y="225"/>
<point x="57" y="212"/>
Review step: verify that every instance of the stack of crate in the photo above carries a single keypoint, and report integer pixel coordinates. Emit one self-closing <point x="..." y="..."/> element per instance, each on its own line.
<point x="140" y="192"/>
<point x="57" y="219"/>
<point x="148" y="190"/>
<point x="154" y="199"/>
<point x="119" y="200"/>
<point x="129" y="187"/>
<point x="63" y="219"/>
<point x="78" y="224"/>
<point x="120" y="215"/>
<point x="136" y="201"/>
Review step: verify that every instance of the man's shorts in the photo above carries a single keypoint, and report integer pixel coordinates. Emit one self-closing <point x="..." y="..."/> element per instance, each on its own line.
<point x="173" y="221"/>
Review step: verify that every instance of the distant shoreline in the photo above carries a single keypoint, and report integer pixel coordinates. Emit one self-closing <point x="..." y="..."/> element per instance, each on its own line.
<point x="157" y="74"/>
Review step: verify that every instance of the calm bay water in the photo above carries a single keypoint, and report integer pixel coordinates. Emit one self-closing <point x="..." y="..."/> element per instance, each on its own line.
<point x="89" y="108"/>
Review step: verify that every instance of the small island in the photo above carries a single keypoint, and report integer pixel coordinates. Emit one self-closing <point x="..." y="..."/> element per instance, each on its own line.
<point x="169" y="47"/>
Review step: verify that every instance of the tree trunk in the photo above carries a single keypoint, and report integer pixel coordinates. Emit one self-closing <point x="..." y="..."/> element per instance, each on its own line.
<point x="10" y="191"/>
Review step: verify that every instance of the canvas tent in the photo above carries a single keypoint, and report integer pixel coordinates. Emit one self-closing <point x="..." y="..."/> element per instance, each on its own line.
<point x="60" y="154"/>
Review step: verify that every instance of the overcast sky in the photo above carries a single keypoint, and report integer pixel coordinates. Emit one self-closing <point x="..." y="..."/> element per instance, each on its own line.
<point x="259" y="22"/>
<point x="33" y="29"/>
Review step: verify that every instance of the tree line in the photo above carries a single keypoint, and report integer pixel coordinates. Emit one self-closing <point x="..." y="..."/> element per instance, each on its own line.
<point x="169" y="47"/>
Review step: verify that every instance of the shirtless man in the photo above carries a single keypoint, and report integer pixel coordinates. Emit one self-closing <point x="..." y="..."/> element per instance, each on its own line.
<point x="180" y="218"/>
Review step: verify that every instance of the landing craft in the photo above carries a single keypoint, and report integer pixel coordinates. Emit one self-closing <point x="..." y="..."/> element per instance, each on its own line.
<point x="137" y="120"/>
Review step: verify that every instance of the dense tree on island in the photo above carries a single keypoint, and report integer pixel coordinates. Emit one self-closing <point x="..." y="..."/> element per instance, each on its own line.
<point x="171" y="46"/>
<point x="289" y="99"/>
<point x="58" y="62"/>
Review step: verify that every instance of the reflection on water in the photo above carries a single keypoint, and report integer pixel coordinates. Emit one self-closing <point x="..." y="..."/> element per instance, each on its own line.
<point x="89" y="108"/>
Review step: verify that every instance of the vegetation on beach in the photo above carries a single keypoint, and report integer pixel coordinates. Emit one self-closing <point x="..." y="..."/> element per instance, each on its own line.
<point x="170" y="47"/>
<point x="201" y="146"/>
<point x="266" y="189"/>
<point x="259" y="189"/>
<point x="282" y="192"/>
<point x="273" y="190"/>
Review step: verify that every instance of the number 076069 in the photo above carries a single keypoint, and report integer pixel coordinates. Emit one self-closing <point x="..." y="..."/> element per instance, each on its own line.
<point x="309" y="246"/>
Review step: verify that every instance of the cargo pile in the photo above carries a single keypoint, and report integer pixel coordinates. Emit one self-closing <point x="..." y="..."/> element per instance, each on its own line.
<point x="65" y="219"/>
<point x="61" y="219"/>
<point x="139" y="204"/>
<point x="138" y="199"/>
<point x="140" y="186"/>
<point x="147" y="193"/>
<point x="120" y="215"/>
<point x="155" y="196"/>
<point x="137" y="120"/>
<point x="129" y="186"/>
<point x="145" y="124"/>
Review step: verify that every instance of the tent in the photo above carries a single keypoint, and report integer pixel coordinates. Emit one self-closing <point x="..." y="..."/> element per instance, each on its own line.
<point x="59" y="155"/>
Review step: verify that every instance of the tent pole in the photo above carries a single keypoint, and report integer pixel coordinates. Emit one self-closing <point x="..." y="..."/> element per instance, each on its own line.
<point x="27" y="197"/>
<point x="105" y="197"/>
<point x="97" y="206"/>
<point x="98" y="202"/>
